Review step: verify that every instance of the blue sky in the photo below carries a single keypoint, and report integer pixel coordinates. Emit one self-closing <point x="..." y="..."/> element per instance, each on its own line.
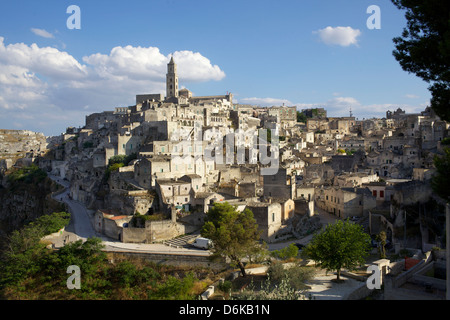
<point x="266" y="52"/>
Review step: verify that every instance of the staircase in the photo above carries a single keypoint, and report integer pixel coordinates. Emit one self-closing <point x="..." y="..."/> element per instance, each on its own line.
<point x="182" y="241"/>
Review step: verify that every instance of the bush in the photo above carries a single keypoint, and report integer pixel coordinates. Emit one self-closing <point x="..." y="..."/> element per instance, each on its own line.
<point x="122" y="159"/>
<point x="225" y="286"/>
<point x="28" y="175"/>
<point x="288" y="252"/>
<point x="446" y="141"/>
<point x="295" y="275"/>
<point x="176" y="289"/>
<point x="52" y="223"/>
<point x="138" y="220"/>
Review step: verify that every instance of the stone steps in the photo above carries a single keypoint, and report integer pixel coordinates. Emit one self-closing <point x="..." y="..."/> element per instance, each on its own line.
<point x="182" y="241"/>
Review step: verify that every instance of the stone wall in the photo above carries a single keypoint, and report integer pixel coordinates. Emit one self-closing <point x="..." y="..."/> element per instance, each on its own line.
<point x="163" y="230"/>
<point x="134" y="235"/>
<point x="168" y="259"/>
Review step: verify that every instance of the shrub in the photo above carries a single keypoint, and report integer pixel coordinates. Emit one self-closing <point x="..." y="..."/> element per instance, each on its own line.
<point x="225" y="286"/>
<point x="288" y="252"/>
<point x="53" y="222"/>
<point x="295" y="275"/>
<point x="28" y="175"/>
<point x="176" y="289"/>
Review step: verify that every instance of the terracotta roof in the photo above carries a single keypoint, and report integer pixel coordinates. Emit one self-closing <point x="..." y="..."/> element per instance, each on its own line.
<point x="117" y="217"/>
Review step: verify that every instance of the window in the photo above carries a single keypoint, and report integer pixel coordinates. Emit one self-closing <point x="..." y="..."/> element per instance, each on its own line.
<point x="273" y="217"/>
<point x="381" y="194"/>
<point x="374" y="192"/>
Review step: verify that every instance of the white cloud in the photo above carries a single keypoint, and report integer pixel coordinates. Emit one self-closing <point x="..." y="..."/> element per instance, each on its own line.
<point x="265" y="101"/>
<point x="42" y="33"/>
<point x="149" y="63"/>
<point x="412" y="96"/>
<point x="46" y="61"/>
<point x="43" y="82"/>
<point x="342" y="36"/>
<point x="192" y="66"/>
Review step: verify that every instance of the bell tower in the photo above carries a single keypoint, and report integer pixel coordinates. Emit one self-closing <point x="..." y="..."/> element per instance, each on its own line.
<point x="171" y="80"/>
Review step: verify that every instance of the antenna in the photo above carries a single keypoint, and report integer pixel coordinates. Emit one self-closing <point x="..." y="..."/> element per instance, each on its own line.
<point x="351" y="113"/>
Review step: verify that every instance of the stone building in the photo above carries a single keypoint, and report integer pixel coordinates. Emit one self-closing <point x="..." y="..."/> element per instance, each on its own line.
<point x="268" y="217"/>
<point x="280" y="185"/>
<point x="345" y="202"/>
<point x="110" y="223"/>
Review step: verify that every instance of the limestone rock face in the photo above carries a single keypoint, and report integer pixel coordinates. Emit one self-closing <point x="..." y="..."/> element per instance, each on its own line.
<point x="306" y="225"/>
<point x="23" y="203"/>
<point x="20" y="147"/>
<point x="21" y="141"/>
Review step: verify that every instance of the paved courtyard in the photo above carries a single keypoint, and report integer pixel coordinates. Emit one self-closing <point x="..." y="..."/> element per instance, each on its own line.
<point x="323" y="288"/>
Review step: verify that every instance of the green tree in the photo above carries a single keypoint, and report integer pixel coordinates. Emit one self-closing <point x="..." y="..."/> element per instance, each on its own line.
<point x="24" y="249"/>
<point x="341" y="245"/>
<point x="424" y="48"/>
<point x="301" y="117"/>
<point x="440" y="182"/>
<point x="234" y="234"/>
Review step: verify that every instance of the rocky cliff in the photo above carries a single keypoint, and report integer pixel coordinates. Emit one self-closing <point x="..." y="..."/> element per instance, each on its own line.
<point x="25" y="196"/>
<point x="20" y="145"/>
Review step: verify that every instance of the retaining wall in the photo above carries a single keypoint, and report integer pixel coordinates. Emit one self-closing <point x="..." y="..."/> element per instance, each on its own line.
<point x="167" y="259"/>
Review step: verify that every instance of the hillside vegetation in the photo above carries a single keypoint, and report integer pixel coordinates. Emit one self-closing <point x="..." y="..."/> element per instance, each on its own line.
<point x="29" y="270"/>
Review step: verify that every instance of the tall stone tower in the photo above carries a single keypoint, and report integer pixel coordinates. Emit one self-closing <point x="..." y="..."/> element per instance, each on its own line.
<point x="171" y="80"/>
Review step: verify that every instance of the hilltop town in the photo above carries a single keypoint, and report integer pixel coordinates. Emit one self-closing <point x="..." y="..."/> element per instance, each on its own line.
<point x="151" y="171"/>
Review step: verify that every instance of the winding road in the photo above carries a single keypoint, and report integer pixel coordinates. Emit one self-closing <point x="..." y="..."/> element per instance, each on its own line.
<point x="80" y="227"/>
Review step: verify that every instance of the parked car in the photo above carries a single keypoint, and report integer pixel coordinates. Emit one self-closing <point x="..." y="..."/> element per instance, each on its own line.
<point x="202" y="243"/>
